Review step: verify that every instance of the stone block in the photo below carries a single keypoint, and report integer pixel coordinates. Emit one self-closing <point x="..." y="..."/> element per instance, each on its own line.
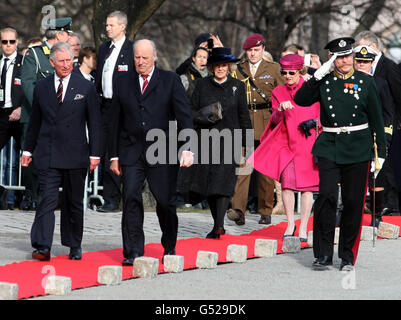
<point x="173" y="263"/>
<point x="146" y="267"/>
<point x="8" y="291"/>
<point x="58" y="285"/>
<point x="236" y="253"/>
<point x="291" y="244"/>
<point x="310" y="238"/>
<point x="207" y="260"/>
<point x="367" y="233"/>
<point x="265" y="248"/>
<point x="388" y="231"/>
<point x="110" y="275"/>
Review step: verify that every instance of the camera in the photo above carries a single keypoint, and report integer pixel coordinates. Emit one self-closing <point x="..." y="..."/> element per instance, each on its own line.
<point x="210" y="43"/>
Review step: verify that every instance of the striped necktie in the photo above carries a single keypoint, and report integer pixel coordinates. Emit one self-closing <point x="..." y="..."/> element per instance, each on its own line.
<point x="145" y="83"/>
<point x="60" y="92"/>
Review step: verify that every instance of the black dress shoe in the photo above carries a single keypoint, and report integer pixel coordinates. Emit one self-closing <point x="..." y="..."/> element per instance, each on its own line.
<point x="346" y="266"/>
<point x="323" y="262"/>
<point x="42" y="254"/>
<point x="129" y="261"/>
<point x="75" y="254"/>
<point x="26" y="203"/>
<point x="265" y="220"/>
<point x="108" y="207"/>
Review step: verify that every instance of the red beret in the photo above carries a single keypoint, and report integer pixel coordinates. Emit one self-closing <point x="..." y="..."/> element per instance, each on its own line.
<point x="292" y="62"/>
<point x="253" y="40"/>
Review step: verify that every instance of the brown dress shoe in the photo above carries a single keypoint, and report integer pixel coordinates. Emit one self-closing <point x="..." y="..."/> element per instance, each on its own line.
<point x="265" y="220"/>
<point x="237" y="216"/>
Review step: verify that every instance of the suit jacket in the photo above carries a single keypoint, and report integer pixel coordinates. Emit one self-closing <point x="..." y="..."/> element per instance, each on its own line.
<point x="388" y="69"/>
<point x="125" y="57"/>
<point x="56" y="133"/>
<point x="17" y="95"/>
<point x="135" y="115"/>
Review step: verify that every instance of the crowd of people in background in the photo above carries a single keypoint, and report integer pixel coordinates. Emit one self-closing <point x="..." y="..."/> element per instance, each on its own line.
<point x="310" y="126"/>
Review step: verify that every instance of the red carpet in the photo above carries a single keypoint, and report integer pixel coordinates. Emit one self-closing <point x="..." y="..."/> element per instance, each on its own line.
<point x="30" y="274"/>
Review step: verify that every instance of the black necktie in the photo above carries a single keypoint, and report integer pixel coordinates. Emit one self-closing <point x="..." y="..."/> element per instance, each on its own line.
<point x="3" y="81"/>
<point x="109" y="52"/>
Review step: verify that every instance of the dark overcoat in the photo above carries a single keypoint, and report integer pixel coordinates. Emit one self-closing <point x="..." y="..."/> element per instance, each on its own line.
<point x="218" y="156"/>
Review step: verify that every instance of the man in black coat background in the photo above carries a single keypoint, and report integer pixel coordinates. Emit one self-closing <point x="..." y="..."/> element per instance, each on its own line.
<point x="387" y="69"/>
<point x="65" y="106"/>
<point x="149" y="98"/>
<point x="11" y="94"/>
<point x="115" y="57"/>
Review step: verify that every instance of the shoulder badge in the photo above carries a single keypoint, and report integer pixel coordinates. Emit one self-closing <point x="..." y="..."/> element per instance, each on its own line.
<point x="46" y="50"/>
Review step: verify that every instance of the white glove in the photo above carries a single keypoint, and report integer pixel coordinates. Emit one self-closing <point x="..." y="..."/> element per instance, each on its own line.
<point x="325" y="68"/>
<point x="373" y="166"/>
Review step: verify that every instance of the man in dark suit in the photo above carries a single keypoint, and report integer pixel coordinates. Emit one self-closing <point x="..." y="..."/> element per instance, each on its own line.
<point x="387" y="69"/>
<point x="64" y="107"/>
<point x="147" y="99"/>
<point x="11" y="95"/>
<point x="115" y="57"/>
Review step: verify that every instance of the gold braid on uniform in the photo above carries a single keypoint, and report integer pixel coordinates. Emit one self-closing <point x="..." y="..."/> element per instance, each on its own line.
<point x="247" y="87"/>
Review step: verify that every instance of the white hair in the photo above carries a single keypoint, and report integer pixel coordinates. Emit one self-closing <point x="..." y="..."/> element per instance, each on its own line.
<point x="60" y="46"/>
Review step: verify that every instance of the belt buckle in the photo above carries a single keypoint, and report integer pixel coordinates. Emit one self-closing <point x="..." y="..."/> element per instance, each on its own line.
<point x="253" y="107"/>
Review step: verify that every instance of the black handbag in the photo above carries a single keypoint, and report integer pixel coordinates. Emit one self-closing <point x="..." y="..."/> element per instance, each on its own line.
<point x="209" y="115"/>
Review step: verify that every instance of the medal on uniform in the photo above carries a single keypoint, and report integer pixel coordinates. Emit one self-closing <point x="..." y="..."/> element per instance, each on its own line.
<point x="346" y="87"/>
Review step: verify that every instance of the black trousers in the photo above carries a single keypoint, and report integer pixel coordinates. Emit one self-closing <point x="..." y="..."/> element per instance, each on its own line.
<point x="162" y="180"/>
<point x="111" y="182"/>
<point x="353" y="179"/>
<point x="72" y="211"/>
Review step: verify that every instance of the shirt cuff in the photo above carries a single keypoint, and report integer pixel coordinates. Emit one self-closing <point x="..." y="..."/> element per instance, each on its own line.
<point x="94" y="158"/>
<point x="27" y="153"/>
<point x="112" y="159"/>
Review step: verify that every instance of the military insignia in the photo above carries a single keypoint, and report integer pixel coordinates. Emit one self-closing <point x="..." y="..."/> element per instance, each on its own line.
<point x="46" y="50"/>
<point x="266" y="76"/>
<point x="234" y="89"/>
<point x="342" y="44"/>
<point x="364" y="51"/>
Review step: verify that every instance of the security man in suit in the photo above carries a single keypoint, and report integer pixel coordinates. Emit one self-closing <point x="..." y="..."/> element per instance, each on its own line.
<point x="11" y="95"/>
<point x="65" y="106"/>
<point x="148" y="98"/>
<point x="387" y="69"/>
<point x="36" y="66"/>
<point x="351" y="119"/>
<point x="260" y="78"/>
<point x="364" y="58"/>
<point x="115" y="57"/>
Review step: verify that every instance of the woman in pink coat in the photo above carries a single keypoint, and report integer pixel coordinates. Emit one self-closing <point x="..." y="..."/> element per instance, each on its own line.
<point x="285" y="150"/>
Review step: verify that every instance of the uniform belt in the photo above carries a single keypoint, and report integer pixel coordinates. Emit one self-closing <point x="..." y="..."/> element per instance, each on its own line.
<point x="260" y="106"/>
<point x="348" y="130"/>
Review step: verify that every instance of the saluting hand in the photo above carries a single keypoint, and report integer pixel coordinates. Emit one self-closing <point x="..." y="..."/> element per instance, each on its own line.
<point x="325" y="68"/>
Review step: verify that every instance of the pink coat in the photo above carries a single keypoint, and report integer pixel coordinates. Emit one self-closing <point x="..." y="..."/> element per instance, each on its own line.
<point x="282" y="140"/>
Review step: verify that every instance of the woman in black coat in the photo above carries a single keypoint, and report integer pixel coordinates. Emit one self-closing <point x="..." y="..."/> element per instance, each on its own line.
<point x="214" y="175"/>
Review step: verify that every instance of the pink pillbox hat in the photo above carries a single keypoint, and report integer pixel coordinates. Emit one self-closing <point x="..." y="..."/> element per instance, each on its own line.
<point x="292" y="62"/>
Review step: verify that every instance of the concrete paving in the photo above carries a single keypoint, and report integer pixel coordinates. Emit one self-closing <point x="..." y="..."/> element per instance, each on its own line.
<point x="377" y="274"/>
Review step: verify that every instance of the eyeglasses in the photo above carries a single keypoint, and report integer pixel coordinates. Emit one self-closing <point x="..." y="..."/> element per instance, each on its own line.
<point x="291" y="73"/>
<point x="8" y="41"/>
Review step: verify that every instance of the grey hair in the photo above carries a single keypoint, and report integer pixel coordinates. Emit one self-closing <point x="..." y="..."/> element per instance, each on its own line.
<point x="121" y="17"/>
<point x="151" y="42"/>
<point x="370" y="37"/>
<point x="60" y="46"/>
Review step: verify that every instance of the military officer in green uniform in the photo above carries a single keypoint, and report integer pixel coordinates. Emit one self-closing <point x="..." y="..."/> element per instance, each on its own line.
<point x="351" y="120"/>
<point x="36" y="66"/>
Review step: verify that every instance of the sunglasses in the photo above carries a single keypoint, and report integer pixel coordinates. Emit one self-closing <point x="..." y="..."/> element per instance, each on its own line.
<point x="8" y="41"/>
<point x="291" y="73"/>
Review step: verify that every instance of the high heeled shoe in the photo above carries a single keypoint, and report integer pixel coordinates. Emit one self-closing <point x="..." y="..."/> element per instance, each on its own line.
<point x="216" y="233"/>
<point x="290" y="235"/>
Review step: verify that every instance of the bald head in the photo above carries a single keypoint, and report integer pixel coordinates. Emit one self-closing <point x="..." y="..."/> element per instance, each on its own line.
<point x="145" y="56"/>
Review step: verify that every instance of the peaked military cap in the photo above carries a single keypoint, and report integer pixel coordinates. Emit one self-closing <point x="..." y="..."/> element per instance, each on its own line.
<point x="341" y="46"/>
<point x="62" y="24"/>
<point x="365" y="53"/>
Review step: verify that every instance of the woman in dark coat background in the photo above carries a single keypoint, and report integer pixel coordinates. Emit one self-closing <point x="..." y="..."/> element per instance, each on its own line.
<point x="215" y="180"/>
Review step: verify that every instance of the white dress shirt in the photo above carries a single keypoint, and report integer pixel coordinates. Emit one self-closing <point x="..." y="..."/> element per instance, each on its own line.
<point x="377" y="58"/>
<point x="108" y="69"/>
<point x="9" y="75"/>
<point x="66" y="80"/>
